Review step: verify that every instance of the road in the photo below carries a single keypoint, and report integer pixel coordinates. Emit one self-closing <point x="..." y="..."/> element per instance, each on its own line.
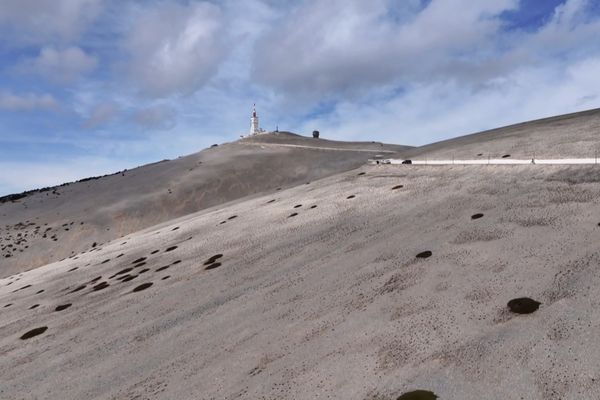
<point x="322" y="148"/>
<point x="496" y="161"/>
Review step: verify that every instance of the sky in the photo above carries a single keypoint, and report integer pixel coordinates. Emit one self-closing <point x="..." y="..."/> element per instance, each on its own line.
<point x="89" y="87"/>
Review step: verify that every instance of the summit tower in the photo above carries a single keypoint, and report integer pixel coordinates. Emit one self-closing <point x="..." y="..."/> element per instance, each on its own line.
<point x="255" y="128"/>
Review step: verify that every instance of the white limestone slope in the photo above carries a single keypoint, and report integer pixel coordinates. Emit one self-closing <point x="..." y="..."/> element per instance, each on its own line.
<point x="329" y="301"/>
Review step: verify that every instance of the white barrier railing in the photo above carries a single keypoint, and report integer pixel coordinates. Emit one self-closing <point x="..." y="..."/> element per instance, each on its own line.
<point x="493" y="161"/>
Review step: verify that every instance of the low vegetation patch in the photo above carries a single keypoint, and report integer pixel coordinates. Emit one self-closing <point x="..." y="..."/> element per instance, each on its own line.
<point x="34" y="332"/>
<point x="523" y="305"/>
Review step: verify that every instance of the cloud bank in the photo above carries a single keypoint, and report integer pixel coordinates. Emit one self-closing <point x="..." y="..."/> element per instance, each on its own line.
<point x="175" y="48"/>
<point x="27" y="102"/>
<point x="61" y="66"/>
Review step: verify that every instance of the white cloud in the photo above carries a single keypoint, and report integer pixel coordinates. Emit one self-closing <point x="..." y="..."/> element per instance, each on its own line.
<point x="437" y="111"/>
<point x="42" y="21"/>
<point x="61" y="65"/>
<point x="156" y="117"/>
<point x="339" y="46"/>
<point x="100" y="114"/>
<point x="414" y="75"/>
<point x="176" y="48"/>
<point x="27" y="102"/>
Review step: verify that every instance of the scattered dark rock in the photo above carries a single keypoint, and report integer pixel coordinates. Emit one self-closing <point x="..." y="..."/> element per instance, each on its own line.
<point x="476" y="216"/>
<point x="143" y="286"/>
<point x="523" y="305"/>
<point x="63" y="307"/>
<point x="34" y="332"/>
<point x="424" y="254"/>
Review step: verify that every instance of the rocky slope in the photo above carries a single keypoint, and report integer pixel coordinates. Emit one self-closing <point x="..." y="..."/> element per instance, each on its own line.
<point x="50" y="225"/>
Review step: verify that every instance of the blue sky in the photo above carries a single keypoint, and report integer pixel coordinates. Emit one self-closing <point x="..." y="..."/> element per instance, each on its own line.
<point x="89" y="87"/>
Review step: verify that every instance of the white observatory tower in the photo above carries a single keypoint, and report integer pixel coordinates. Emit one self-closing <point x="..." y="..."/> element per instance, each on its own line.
<point x="254" y="126"/>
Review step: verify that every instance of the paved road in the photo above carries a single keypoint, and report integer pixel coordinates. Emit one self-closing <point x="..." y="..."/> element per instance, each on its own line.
<point x="322" y="148"/>
<point x="496" y="161"/>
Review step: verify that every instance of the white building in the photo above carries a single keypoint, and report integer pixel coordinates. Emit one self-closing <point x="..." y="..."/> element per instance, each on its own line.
<point x="255" y="128"/>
